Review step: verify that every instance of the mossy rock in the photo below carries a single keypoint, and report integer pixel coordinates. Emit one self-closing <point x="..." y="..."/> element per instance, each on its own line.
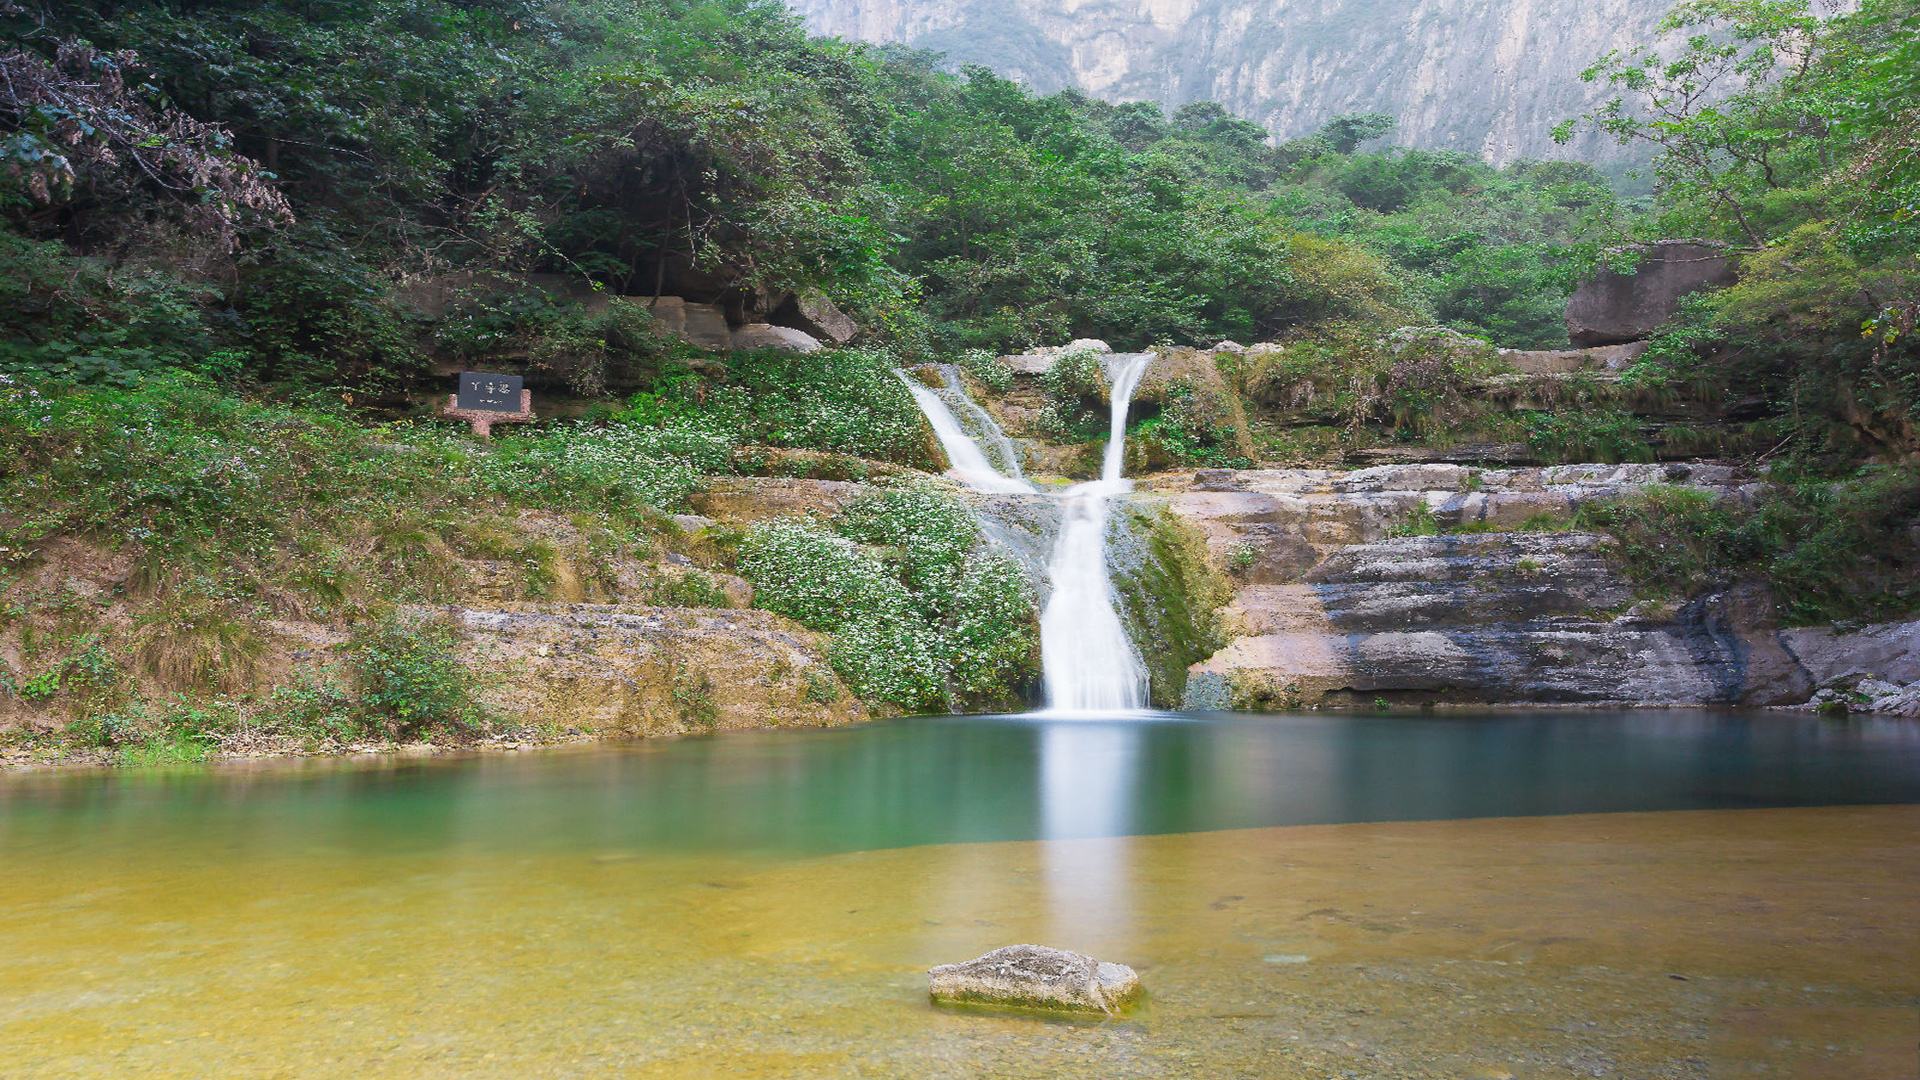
<point x="1170" y="597"/>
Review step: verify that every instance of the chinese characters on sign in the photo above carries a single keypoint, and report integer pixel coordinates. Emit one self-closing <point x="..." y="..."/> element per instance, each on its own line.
<point x="482" y="391"/>
<point x="484" y="399"/>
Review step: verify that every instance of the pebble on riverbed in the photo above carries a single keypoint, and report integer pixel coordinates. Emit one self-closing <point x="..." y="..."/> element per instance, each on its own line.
<point x="1036" y="977"/>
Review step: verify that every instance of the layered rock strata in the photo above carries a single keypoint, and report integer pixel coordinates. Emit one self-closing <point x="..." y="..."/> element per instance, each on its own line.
<point x="1339" y="598"/>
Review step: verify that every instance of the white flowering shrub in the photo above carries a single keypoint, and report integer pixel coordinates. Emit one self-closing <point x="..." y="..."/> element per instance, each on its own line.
<point x="930" y="532"/>
<point x="922" y="615"/>
<point x="619" y="465"/>
<point x="845" y="400"/>
<point x="992" y="372"/>
<point x="991" y="644"/>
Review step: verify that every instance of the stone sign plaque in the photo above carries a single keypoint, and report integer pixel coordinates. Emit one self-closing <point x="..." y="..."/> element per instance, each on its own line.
<point x="482" y="391"/>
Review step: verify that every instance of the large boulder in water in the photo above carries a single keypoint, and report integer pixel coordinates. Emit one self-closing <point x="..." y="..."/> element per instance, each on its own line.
<point x="1612" y="308"/>
<point x="1036" y="977"/>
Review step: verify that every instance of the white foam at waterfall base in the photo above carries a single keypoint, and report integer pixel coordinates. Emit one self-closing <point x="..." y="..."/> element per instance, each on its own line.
<point x="1088" y="662"/>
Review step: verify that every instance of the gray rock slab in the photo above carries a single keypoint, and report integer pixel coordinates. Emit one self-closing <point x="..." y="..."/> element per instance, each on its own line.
<point x="1036" y="977"/>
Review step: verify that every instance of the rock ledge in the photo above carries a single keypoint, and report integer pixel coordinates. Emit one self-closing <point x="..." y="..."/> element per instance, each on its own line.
<point x="1036" y="977"/>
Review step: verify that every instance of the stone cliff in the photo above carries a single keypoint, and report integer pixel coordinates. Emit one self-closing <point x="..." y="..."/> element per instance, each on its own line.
<point x="1486" y="78"/>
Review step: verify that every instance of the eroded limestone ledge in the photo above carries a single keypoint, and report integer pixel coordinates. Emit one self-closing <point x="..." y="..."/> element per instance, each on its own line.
<point x="1331" y="607"/>
<point x="609" y="669"/>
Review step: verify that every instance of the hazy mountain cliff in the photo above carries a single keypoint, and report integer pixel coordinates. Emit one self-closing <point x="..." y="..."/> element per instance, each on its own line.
<point x="1488" y="76"/>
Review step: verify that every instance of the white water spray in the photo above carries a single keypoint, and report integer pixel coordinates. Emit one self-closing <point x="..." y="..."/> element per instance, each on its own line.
<point x="1088" y="663"/>
<point x="970" y="464"/>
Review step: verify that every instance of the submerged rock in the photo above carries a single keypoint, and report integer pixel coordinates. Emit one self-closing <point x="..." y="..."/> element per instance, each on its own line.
<point x="1036" y="977"/>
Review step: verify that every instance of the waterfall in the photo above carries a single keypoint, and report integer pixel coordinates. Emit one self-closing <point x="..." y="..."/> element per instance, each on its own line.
<point x="1088" y="663"/>
<point x="970" y="463"/>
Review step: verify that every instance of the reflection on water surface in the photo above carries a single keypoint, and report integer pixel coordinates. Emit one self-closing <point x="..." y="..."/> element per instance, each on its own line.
<point x="767" y="904"/>
<point x="958" y="779"/>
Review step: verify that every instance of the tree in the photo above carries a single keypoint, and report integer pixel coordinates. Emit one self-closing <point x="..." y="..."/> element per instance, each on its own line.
<point x="1345" y="133"/>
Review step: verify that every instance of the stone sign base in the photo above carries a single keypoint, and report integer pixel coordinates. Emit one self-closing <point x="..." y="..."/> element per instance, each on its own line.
<point x="482" y="420"/>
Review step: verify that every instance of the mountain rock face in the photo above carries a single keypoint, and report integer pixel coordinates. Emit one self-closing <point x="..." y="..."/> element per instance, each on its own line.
<point x="1489" y="77"/>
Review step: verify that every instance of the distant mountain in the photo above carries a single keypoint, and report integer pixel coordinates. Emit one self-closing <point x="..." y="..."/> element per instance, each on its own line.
<point x="1490" y="77"/>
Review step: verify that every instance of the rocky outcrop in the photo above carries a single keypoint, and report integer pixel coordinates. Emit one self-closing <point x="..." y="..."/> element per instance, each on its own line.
<point x="769" y="336"/>
<point x="1273" y="525"/>
<point x="1869" y="669"/>
<point x="704" y="325"/>
<point x="1036" y="977"/>
<point x="1039" y="361"/>
<point x="1888" y="651"/>
<point x="607" y="669"/>
<point x="813" y="313"/>
<point x="1612" y="308"/>
<point x="1331" y="605"/>
<point x="1501" y="602"/>
<point x="1504" y="617"/>
<point x="1602" y="359"/>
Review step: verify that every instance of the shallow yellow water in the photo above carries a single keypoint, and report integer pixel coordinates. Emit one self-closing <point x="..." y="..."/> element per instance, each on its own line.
<point x="1699" y="943"/>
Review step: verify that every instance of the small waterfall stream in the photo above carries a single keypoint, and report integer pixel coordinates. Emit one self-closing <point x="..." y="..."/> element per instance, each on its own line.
<point x="1089" y="665"/>
<point x="1088" y="661"/>
<point x="970" y="464"/>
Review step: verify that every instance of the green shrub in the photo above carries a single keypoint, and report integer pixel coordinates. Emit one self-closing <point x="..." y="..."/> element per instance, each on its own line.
<point x="1672" y="539"/>
<point x="1419" y="522"/>
<point x="1182" y="432"/>
<point x="591" y="349"/>
<point x="409" y="679"/>
<point x="74" y="319"/>
<point x="983" y="365"/>
<point x="1075" y="388"/>
<point x="609" y="467"/>
<point x="692" y="589"/>
<point x="1589" y="434"/>
<point x="845" y="400"/>
<point x="921" y="615"/>
<point x="1829" y="550"/>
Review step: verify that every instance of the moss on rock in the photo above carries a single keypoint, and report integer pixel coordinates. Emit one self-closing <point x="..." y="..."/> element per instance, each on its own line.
<point x="1170" y="596"/>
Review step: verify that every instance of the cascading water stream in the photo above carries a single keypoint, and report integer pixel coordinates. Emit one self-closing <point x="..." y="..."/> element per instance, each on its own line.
<point x="970" y="464"/>
<point x="1088" y="663"/>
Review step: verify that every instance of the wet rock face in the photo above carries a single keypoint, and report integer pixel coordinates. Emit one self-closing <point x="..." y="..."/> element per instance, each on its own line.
<point x="1504" y="617"/>
<point x="1330" y="604"/>
<point x="768" y="336"/>
<point x="1036" y="977"/>
<point x="1612" y="308"/>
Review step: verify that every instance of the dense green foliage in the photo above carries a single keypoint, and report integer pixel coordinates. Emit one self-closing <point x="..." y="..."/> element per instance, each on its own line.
<point x="702" y="148"/>
<point x="1827" y="549"/>
<point x="1811" y="169"/>
<point x="922" y="612"/>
